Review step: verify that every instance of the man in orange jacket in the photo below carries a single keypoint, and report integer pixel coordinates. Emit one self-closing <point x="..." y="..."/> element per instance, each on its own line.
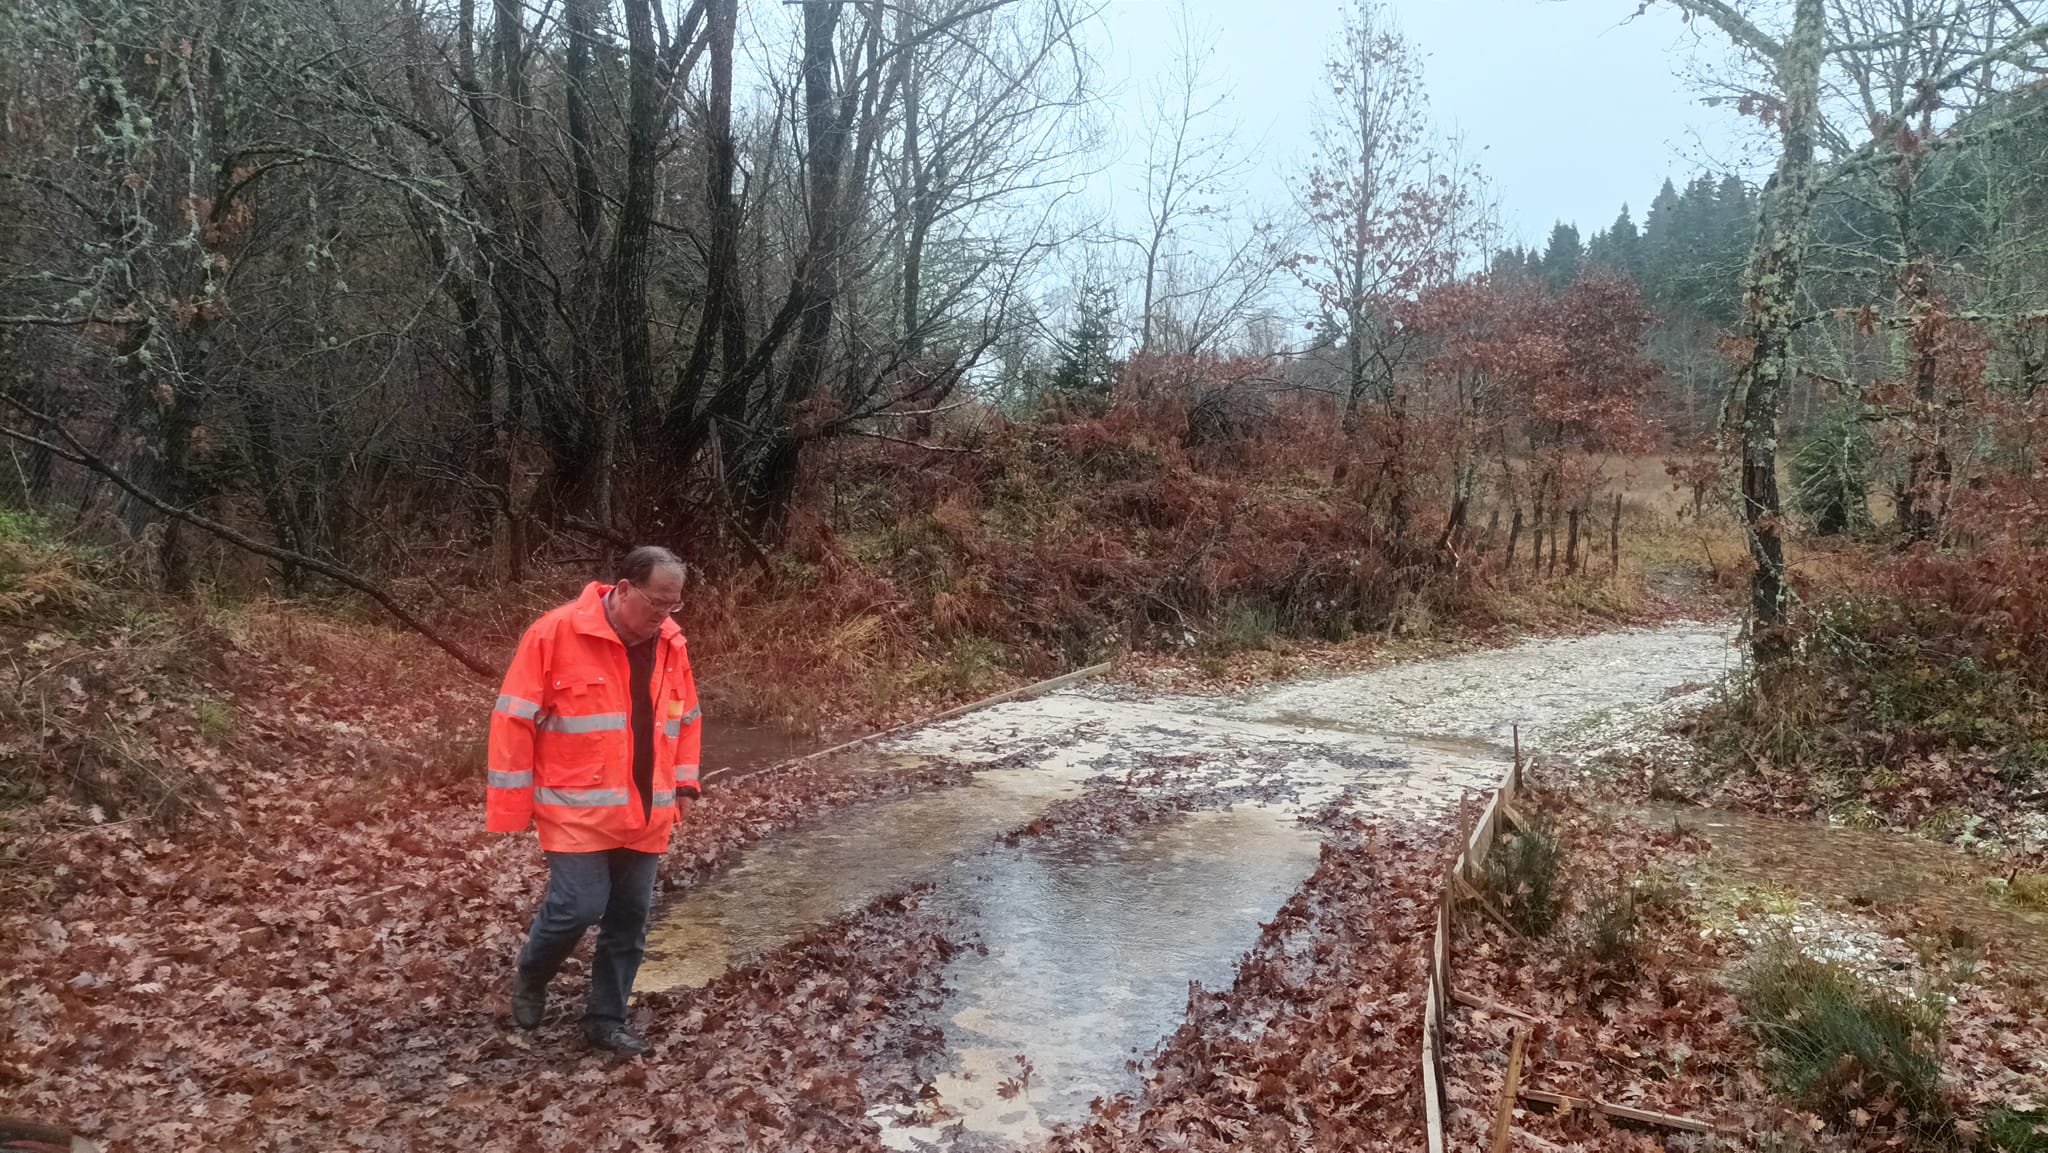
<point x="595" y="740"/>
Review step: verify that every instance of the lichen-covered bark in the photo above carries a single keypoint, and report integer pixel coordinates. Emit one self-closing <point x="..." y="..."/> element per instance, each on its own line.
<point x="1770" y="294"/>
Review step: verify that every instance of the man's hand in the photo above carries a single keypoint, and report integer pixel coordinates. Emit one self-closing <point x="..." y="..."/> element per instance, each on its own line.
<point x="683" y="806"/>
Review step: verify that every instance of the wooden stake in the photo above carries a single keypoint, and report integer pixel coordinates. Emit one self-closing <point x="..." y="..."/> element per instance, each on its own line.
<point x="1495" y="1007"/>
<point x="1485" y="906"/>
<point x="1514" y="785"/>
<point x="1504" y="1117"/>
<point x="1629" y="1113"/>
<point x="1614" y="539"/>
<point x="1432" y="1088"/>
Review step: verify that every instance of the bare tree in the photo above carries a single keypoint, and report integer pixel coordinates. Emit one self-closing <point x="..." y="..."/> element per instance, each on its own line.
<point x="353" y="267"/>
<point x="1381" y="219"/>
<point x="1208" y="259"/>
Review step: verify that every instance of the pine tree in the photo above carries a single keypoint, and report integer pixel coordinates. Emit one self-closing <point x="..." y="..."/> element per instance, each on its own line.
<point x="1562" y="258"/>
<point x="1514" y="266"/>
<point x="1659" y="256"/>
<point x="1619" y="247"/>
<point x="1086" y="368"/>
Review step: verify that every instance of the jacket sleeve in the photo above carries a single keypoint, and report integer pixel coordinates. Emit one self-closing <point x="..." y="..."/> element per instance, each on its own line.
<point x="508" y="804"/>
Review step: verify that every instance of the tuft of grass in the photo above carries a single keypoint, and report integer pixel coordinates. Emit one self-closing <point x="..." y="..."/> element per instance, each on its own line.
<point x="35" y="573"/>
<point x="2015" y="1131"/>
<point x="974" y="665"/>
<point x="1526" y="873"/>
<point x="213" y="717"/>
<point x="2028" y="891"/>
<point x="1659" y="895"/>
<point x="1606" y="936"/>
<point x="1842" y="1047"/>
<point x="1245" y="627"/>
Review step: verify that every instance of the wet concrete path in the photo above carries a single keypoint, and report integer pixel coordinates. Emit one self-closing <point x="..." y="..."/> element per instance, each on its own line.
<point x="1091" y="938"/>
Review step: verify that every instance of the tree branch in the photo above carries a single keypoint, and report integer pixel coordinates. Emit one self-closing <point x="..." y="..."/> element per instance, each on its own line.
<point x="1735" y="24"/>
<point x="1931" y="92"/>
<point x="78" y="454"/>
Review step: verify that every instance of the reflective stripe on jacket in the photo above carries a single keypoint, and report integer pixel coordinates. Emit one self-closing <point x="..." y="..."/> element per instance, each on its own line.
<point x="561" y="747"/>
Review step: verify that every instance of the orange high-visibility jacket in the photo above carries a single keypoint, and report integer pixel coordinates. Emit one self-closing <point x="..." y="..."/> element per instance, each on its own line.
<point x="561" y="749"/>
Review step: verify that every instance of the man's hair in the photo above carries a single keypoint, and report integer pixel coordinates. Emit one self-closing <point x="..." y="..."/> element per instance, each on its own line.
<point x="639" y="565"/>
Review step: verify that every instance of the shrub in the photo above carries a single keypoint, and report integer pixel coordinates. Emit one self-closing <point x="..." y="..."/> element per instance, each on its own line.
<point x="1606" y="937"/>
<point x="1525" y="872"/>
<point x="37" y="574"/>
<point x="1924" y="693"/>
<point x="1831" y="474"/>
<point x="1246" y="626"/>
<point x="1841" y="1046"/>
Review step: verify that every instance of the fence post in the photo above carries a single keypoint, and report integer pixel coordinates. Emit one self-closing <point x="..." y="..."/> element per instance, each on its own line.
<point x="1614" y="539"/>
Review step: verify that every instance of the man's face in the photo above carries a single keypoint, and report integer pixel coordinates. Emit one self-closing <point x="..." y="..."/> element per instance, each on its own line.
<point x="640" y="609"/>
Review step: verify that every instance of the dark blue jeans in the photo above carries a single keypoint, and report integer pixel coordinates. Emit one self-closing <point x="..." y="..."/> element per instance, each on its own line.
<point x="612" y="889"/>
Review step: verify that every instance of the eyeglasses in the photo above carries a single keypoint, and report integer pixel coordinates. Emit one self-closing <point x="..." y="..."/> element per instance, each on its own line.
<point x="664" y="610"/>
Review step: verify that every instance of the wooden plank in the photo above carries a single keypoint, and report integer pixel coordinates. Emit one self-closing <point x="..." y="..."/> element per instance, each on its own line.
<point x="1485" y="906"/>
<point x="1432" y="1089"/>
<point x="1439" y="971"/>
<point x="1442" y="953"/>
<point x="20" y="1132"/>
<point x="1629" y="1113"/>
<point x="1504" y="1115"/>
<point x="1494" y="1007"/>
<point x="1440" y="995"/>
<point x="1474" y="857"/>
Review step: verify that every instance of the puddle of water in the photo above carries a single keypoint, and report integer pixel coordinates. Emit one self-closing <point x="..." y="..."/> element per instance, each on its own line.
<point x="1091" y="947"/>
<point x="817" y="873"/>
<point x="741" y="749"/>
<point x="1872" y="869"/>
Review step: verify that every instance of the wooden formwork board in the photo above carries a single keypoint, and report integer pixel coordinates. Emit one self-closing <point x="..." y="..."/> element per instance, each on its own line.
<point x="1629" y="1113"/>
<point x="1437" y="1001"/>
<point x="1440" y="954"/>
<point x="1432" y="1062"/>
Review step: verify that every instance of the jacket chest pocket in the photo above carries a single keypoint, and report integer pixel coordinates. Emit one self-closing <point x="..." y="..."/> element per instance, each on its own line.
<point x="583" y="727"/>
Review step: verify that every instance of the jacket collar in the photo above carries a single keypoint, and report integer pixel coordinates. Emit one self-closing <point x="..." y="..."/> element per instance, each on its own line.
<point x="586" y="613"/>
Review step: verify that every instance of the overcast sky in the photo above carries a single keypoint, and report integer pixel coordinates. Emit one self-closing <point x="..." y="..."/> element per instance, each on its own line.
<point x="1577" y="107"/>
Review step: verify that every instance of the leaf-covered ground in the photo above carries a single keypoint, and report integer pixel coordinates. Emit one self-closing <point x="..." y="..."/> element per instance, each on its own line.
<point x="248" y="903"/>
<point x="1665" y="1029"/>
<point x="316" y="957"/>
<point x="1661" y="1034"/>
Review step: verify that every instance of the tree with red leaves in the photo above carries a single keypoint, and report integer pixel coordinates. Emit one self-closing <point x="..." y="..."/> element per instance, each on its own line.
<point x="1516" y="374"/>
